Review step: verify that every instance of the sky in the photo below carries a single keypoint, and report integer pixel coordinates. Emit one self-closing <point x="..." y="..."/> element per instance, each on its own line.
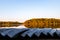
<point x="26" y="9"/>
<point x="21" y="10"/>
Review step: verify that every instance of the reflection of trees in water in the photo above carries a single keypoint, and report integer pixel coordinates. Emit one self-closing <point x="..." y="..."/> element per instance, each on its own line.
<point x="43" y="23"/>
<point x="34" y="23"/>
<point x="9" y="24"/>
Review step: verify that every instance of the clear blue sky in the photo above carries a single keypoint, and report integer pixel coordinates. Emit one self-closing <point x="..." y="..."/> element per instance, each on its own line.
<point x="24" y="9"/>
